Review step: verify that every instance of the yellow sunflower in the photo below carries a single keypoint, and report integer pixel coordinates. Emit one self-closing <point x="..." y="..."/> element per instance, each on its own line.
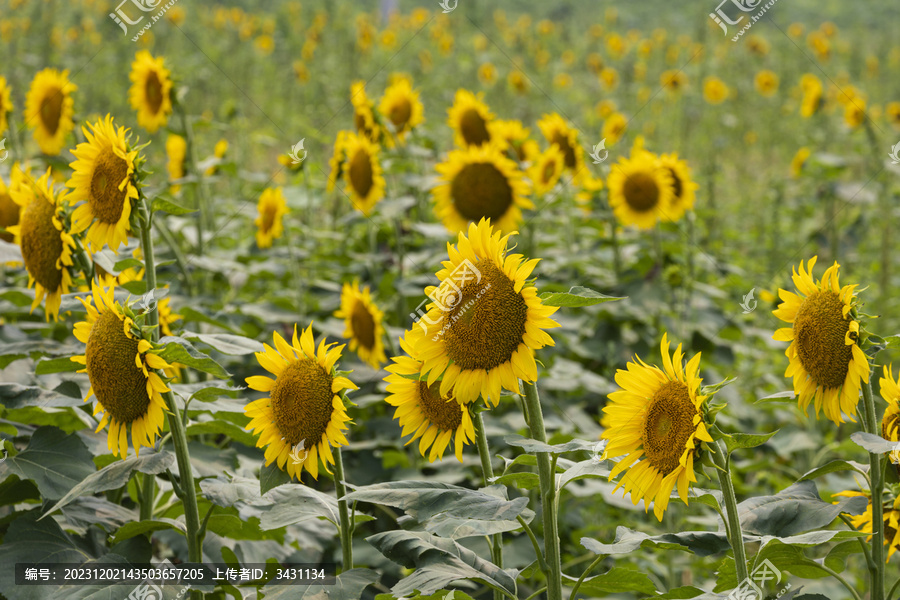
<point x="6" y="106"/>
<point x="563" y="136"/>
<point x="673" y="81"/>
<point x="480" y="182"/>
<point x="892" y="110"/>
<point x="470" y="119"/>
<point x="855" y="112"/>
<point x="766" y="83"/>
<point x="49" y="107"/>
<point x="363" y="112"/>
<point x="121" y="366"/>
<point x="812" y="95"/>
<point x="715" y="91"/>
<point x="362" y="172"/>
<point x="640" y="190"/>
<point x="103" y="177"/>
<point x="863" y="522"/>
<point x="656" y="422"/>
<point x="176" y="151"/>
<point x="219" y="151"/>
<point x="362" y="324"/>
<point x="269" y="224"/>
<point x="46" y="245"/>
<point x="304" y="415"/>
<point x="482" y="337"/>
<point x="614" y="127"/>
<point x="151" y="91"/>
<point x="10" y="211"/>
<point x="514" y="135"/>
<point x="546" y="170"/>
<point x="826" y="361"/>
<point x="684" y="189"/>
<point x="890" y="422"/>
<point x="336" y="162"/>
<point x="401" y="109"/>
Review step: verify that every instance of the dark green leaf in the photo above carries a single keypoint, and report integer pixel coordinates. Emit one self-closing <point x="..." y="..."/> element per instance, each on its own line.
<point x="161" y="204"/>
<point x="15" y="395"/>
<point x="270" y="476"/>
<point x="56" y="462"/>
<point x="735" y="441"/>
<point x="534" y="446"/>
<point x="617" y="580"/>
<point x="130" y="530"/>
<point x="179" y="350"/>
<point x="835" y="466"/>
<point x="794" y="510"/>
<point x="874" y="443"/>
<point x="576" y="297"/>
<point x="703" y="543"/>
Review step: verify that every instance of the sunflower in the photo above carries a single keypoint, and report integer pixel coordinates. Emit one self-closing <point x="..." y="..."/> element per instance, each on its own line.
<point x="585" y="196"/>
<point x="272" y="207"/>
<point x="46" y="245"/>
<point x="363" y="112"/>
<point x="470" y="119"/>
<point x="121" y="366"/>
<point x="151" y="91"/>
<point x="766" y="83"/>
<point x="826" y="361"/>
<point x="812" y="95"/>
<point x="219" y="151"/>
<point x="305" y="408"/>
<point x="855" y="112"/>
<point x="658" y="414"/>
<point x="176" y="150"/>
<point x="336" y="162"/>
<point x="564" y="137"/>
<point x="6" y="106"/>
<point x="401" y="108"/>
<point x="640" y="190"/>
<point x="49" y="109"/>
<point x="10" y="212"/>
<point x="362" y="172"/>
<point x="514" y="135"/>
<point x="863" y="522"/>
<point x="614" y="127"/>
<point x="890" y="422"/>
<point x="476" y="183"/>
<point x="546" y="170"/>
<point x="104" y="177"/>
<point x="799" y="161"/>
<point x="892" y="110"/>
<point x="715" y="91"/>
<point x="673" y="81"/>
<point x="486" y="338"/>
<point x="683" y="187"/>
<point x="362" y="324"/>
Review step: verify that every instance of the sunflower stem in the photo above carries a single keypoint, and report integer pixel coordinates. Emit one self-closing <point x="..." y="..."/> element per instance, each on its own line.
<point x="614" y="238"/>
<point x="590" y="568"/>
<point x="487" y="472"/>
<point x="876" y="569"/>
<point x="548" y="494"/>
<point x="340" y="490"/>
<point x="148" y="494"/>
<point x="735" y="534"/>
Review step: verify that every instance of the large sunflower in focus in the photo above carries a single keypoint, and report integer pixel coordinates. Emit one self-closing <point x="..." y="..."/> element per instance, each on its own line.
<point x="362" y="172"/>
<point x="49" y="108"/>
<point x="103" y="177"/>
<point x="121" y="365"/>
<point x="640" y="190"/>
<point x="400" y="106"/>
<point x="683" y="186"/>
<point x="269" y="224"/>
<point x="863" y="522"/>
<point x="656" y="422"/>
<point x="565" y="138"/>
<point x="45" y="243"/>
<point x="470" y="118"/>
<point x="362" y="324"/>
<point x="305" y="410"/>
<point x="435" y="420"/>
<point x="151" y="91"/>
<point x="363" y="112"/>
<point x="483" y="337"/>
<point x="826" y="362"/>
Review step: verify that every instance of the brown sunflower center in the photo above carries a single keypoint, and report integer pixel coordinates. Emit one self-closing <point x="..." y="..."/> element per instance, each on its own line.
<point x="363" y="325"/>
<point x="473" y="128"/>
<point x="302" y="402"/>
<point x="443" y="412"/>
<point x="562" y="142"/>
<point x="400" y="113"/>
<point x="677" y="187"/>
<point x="641" y="191"/>
<point x="120" y="386"/>
<point x="669" y="424"/>
<point x="51" y="110"/>
<point x="107" y="200"/>
<point x="486" y="326"/>
<point x="361" y="176"/>
<point x="481" y="190"/>
<point x="820" y="329"/>
<point x="41" y="243"/>
<point x="153" y="90"/>
<point x="9" y="215"/>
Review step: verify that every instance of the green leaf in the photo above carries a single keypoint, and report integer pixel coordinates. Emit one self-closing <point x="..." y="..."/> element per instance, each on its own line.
<point x="56" y="462"/>
<point x="297" y="503"/>
<point x="204" y="391"/>
<point x="270" y="476"/>
<point x="680" y="593"/>
<point x="836" y="560"/>
<point x="115" y="475"/>
<point x="534" y="446"/>
<point x="617" y="580"/>
<point x="702" y="543"/>
<point x="525" y="481"/>
<point x="590" y="468"/>
<point x="130" y="530"/>
<point x="127" y="263"/>
<point x="794" y="510"/>
<point x="438" y="562"/>
<point x="787" y="396"/>
<point x="349" y="585"/>
<point x="161" y="204"/>
<point x="226" y="343"/>
<point x="736" y="441"/>
<point x="11" y="352"/>
<point x="14" y="491"/>
<point x="15" y="395"/>
<point x="179" y="350"/>
<point x="576" y="297"/>
<point x="219" y="427"/>
<point x="56" y="365"/>
<point x="874" y="444"/>
<point x="835" y="466"/>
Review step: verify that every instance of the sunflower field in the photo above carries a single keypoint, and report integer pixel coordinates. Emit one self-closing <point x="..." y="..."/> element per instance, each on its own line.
<point x="449" y="300"/>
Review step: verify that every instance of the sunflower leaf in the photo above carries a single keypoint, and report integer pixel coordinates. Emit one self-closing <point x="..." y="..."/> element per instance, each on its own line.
<point x="874" y="444"/>
<point x="234" y="345"/>
<point x="576" y="297"/>
<point x="736" y="441"/>
<point x="532" y="446"/>
<point x="47" y="366"/>
<point x="617" y="580"/>
<point x="833" y="467"/>
<point x="127" y="263"/>
<point x="349" y="585"/>
<point x="794" y="510"/>
<point x="56" y="462"/>
<point x="703" y="543"/>
<point x="179" y="350"/>
<point x="167" y="206"/>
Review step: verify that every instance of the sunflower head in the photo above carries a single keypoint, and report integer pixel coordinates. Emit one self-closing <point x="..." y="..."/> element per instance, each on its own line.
<point x="656" y="423"/>
<point x="362" y="324"/>
<point x="799" y="161"/>
<point x="513" y="135"/>
<point x="363" y="113"/>
<point x="121" y="367"/>
<point x="715" y="91"/>
<point x="362" y="172"/>
<point x="890" y="422"/>
<point x="863" y="522"/>
<point x="176" y="151"/>
<point x="304" y="414"/>
<point x="9" y="209"/>
<point x="826" y="362"/>
<point x="640" y="189"/>
<point x="49" y="108"/>
<point x="673" y="81"/>
<point x="401" y="109"/>
<point x="336" y="162"/>
<point x="684" y="189"/>
<point x="546" y="170"/>
<point x="470" y="119"/>
<point x="565" y="137"/>
<point x="272" y="208"/>
<point x="766" y="83"/>
<point x="151" y="91"/>
<point x="6" y="106"/>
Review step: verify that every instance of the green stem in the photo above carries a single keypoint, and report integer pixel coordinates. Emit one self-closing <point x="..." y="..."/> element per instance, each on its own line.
<point x="148" y="494"/>
<point x="862" y="541"/>
<point x="548" y="495"/>
<point x="834" y="574"/>
<point x="614" y="238"/>
<point x="876" y="476"/>
<point x="537" y="593"/>
<point x="542" y="564"/>
<point x="735" y="535"/>
<point x="488" y="473"/>
<point x="346" y="527"/>
<point x="590" y="568"/>
<point x="893" y="589"/>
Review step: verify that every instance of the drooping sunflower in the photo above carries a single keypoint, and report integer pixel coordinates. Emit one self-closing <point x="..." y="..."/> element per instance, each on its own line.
<point x="863" y="522"/>
<point x="363" y="112"/>
<point x="684" y="189"/>
<point x="336" y="162"/>
<point x="640" y="190"/>
<point x="434" y="419"/>
<point x="362" y="172"/>
<point x="45" y="243"/>
<point x="470" y="119"/>
<point x="401" y="109"/>
<point x="546" y="170"/>
<point x="120" y="365"/>
<point x="656" y="421"/>
<point x="151" y="91"/>
<point x="483" y="337"/>
<point x="6" y="106"/>
<point x="305" y="407"/>
<point x="49" y="107"/>
<point x="104" y="178"/>
<point x="176" y="151"/>
<point x="269" y="224"/>
<point x="480" y="182"/>
<point x="565" y="137"/>
<point x="826" y="361"/>
<point x="362" y="324"/>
